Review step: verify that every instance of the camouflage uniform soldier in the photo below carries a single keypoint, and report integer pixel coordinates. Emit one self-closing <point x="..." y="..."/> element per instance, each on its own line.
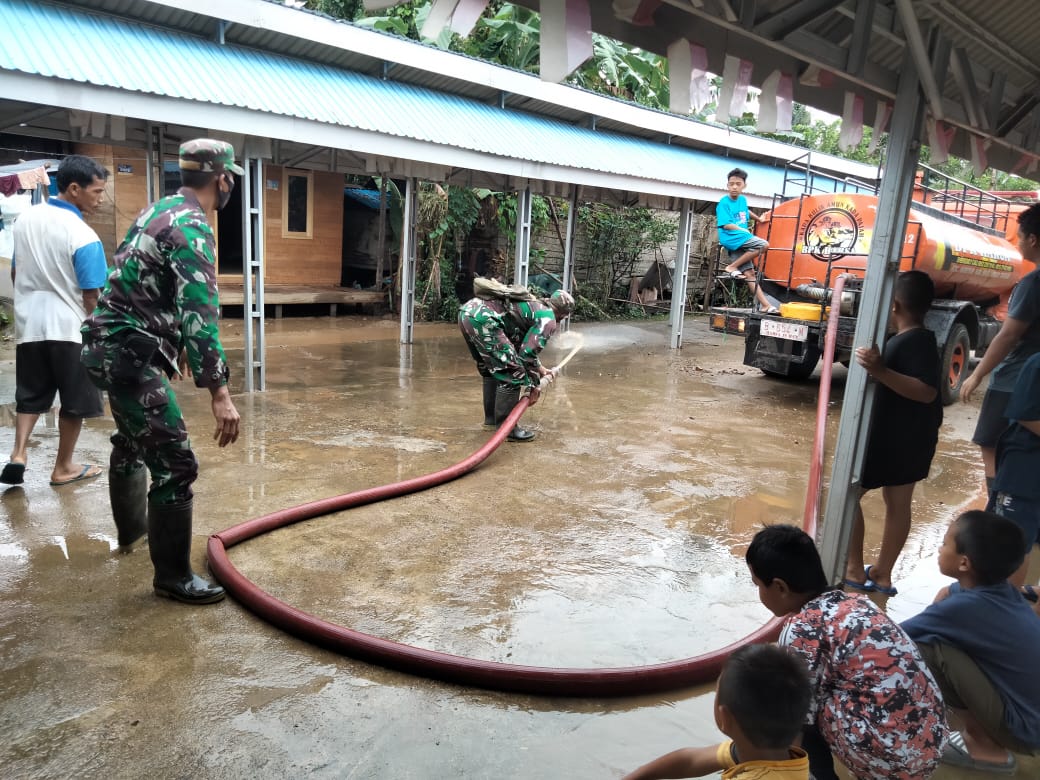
<point x="156" y="320"/>
<point x="505" y="338"/>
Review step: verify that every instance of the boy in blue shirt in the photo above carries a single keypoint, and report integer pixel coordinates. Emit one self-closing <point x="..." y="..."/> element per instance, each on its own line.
<point x="1016" y="490"/>
<point x="736" y="237"/>
<point x="979" y="638"/>
<point x="1018" y="339"/>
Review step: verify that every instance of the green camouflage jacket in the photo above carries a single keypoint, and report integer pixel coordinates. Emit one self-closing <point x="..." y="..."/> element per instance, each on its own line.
<point x="164" y="284"/>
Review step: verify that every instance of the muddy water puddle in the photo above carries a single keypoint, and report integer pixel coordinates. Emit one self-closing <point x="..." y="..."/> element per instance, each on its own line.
<point x="616" y="538"/>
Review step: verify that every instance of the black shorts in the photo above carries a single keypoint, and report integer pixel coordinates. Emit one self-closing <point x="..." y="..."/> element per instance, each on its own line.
<point x="46" y="368"/>
<point x="992" y="420"/>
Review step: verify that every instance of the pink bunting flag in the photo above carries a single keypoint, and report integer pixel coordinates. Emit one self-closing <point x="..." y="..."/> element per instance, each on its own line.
<point x="979" y="161"/>
<point x="851" y="122"/>
<point x="881" y="116"/>
<point x="940" y="136"/>
<point x="736" y="78"/>
<point x="815" y="76"/>
<point x="1027" y="164"/>
<point x="566" y="37"/>
<point x="467" y="12"/>
<point x="776" y="103"/>
<point x="684" y="95"/>
<point x="637" y="12"/>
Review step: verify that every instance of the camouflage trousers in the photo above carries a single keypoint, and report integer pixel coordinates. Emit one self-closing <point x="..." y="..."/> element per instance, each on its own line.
<point x="150" y="428"/>
<point x="491" y="348"/>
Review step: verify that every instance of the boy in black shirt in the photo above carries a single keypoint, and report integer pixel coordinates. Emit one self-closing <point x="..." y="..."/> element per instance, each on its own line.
<point x="904" y="430"/>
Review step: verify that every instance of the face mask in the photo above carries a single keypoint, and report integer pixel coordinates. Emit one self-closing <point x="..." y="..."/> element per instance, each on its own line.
<point x="222" y="196"/>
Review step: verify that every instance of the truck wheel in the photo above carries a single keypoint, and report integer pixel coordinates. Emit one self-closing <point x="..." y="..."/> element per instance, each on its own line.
<point x="955" y="356"/>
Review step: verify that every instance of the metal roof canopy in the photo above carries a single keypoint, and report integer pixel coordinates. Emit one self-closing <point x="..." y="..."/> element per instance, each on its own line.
<point x="327" y="95"/>
<point x="314" y="39"/>
<point x="965" y="60"/>
<point x="980" y="73"/>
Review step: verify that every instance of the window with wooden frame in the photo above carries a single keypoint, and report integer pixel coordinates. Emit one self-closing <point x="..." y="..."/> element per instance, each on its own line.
<point x="297" y="203"/>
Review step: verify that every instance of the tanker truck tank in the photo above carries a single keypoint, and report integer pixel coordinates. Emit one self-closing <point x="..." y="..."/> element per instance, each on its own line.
<point x="814" y="238"/>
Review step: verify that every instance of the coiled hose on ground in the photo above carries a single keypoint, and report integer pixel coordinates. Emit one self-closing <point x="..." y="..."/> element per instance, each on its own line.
<point x="539" y="680"/>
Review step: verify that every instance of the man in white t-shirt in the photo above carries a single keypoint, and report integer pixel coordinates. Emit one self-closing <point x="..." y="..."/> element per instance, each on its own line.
<point x="58" y="269"/>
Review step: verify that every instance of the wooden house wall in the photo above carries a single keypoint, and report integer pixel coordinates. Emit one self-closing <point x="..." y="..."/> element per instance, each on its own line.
<point x="313" y="261"/>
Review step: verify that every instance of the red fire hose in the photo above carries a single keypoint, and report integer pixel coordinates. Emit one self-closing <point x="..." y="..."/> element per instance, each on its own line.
<point x="813" y="490"/>
<point x="654" y="678"/>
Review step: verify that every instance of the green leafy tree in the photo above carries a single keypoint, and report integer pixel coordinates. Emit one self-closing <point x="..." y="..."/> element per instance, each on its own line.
<point x="625" y="72"/>
<point x="507" y="35"/>
<point x="340" y="9"/>
<point x="615" y="239"/>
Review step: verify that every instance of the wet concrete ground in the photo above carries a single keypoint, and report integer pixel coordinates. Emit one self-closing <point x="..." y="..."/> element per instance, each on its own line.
<point x="615" y="539"/>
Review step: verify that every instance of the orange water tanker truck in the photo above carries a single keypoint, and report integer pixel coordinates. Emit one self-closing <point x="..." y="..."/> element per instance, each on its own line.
<point x="815" y="237"/>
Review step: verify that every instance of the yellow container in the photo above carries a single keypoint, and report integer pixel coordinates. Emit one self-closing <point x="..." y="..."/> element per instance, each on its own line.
<point x="802" y="311"/>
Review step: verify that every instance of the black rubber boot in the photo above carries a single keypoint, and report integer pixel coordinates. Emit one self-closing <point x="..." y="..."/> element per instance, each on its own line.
<point x="490" y="391"/>
<point x="169" y="542"/>
<point x="128" y="495"/>
<point x="506" y="398"/>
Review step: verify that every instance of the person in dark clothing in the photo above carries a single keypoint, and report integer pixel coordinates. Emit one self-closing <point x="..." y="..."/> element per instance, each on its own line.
<point x="904" y="429"/>
<point x="1016" y="490"/>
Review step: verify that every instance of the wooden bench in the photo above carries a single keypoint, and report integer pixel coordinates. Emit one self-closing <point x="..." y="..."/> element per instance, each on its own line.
<point x="279" y="295"/>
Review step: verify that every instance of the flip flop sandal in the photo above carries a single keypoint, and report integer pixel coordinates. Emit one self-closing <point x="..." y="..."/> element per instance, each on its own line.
<point x="13" y="474"/>
<point x="956" y="754"/>
<point x="84" y="474"/>
<point x="885" y="590"/>
<point x="866" y="586"/>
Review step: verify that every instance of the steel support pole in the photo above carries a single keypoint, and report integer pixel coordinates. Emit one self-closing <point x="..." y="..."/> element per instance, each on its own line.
<point x="149" y="164"/>
<point x="523" y="236"/>
<point x="568" y="249"/>
<point x="155" y="168"/>
<point x="253" y="273"/>
<point x="682" y="273"/>
<point x="871" y="325"/>
<point x="409" y="246"/>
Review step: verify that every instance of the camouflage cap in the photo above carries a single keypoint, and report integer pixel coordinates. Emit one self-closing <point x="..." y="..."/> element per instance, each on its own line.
<point x="562" y="303"/>
<point x="208" y="155"/>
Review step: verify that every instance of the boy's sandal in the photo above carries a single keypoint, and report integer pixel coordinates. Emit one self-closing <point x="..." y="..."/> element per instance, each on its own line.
<point x="1029" y="593"/>
<point x="956" y="754"/>
<point x="771" y="310"/>
<point x="735" y="275"/>
<point x="867" y="586"/>
<point x="885" y="590"/>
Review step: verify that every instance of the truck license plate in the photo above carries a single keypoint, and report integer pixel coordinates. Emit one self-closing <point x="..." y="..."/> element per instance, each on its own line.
<point x="784" y="330"/>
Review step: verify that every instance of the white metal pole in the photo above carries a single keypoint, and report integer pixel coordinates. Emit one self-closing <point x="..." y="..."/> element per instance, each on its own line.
<point x="882" y="268"/>
<point x="253" y="273"/>
<point x="568" y="249"/>
<point x="248" y="309"/>
<point x="523" y="236"/>
<point x="257" y="212"/>
<point x="682" y="272"/>
<point x="408" y="249"/>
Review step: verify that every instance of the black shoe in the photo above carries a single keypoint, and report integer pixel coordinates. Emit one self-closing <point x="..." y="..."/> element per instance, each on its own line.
<point x="490" y="392"/>
<point x="507" y="398"/>
<point x="128" y="494"/>
<point x="169" y="544"/>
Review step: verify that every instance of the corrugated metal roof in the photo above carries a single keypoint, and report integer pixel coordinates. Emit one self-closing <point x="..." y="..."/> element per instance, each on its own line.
<point x="151" y="60"/>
